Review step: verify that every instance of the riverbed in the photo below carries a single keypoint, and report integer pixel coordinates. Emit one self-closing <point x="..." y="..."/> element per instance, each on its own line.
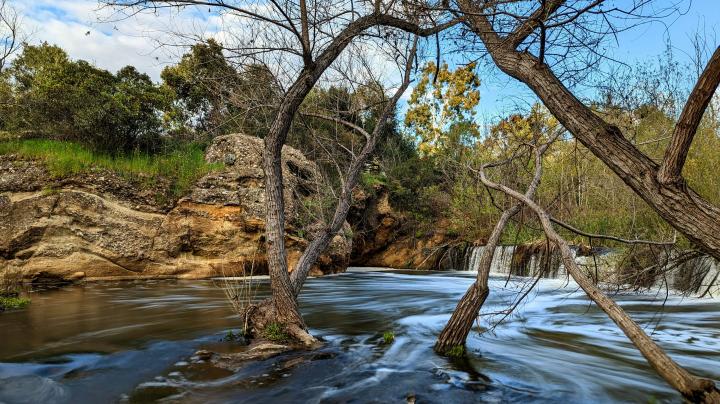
<point x="130" y="342"/>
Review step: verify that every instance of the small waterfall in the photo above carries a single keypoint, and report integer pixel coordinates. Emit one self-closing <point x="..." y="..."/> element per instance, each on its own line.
<point x="521" y="260"/>
<point x="698" y="276"/>
<point x="501" y="260"/>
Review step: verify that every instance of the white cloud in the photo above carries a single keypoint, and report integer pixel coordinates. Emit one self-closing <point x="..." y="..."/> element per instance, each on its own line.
<point x="89" y="32"/>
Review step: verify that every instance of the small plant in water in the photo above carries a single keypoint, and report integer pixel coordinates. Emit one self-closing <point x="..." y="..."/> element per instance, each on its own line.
<point x="388" y="337"/>
<point x="458" y="351"/>
<point x="10" y="285"/>
<point x="275" y="332"/>
<point x="13" y="303"/>
<point x="232" y="336"/>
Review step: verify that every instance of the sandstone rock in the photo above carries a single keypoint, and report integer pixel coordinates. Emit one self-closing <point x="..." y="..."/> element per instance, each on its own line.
<point x="383" y="237"/>
<point x="103" y="227"/>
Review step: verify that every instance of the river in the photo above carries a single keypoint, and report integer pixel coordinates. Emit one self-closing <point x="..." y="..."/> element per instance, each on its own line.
<point x="128" y="341"/>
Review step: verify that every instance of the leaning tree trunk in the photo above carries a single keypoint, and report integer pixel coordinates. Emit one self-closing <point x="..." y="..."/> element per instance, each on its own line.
<point x="693" y="388"/>
<point x="458" y="327"/>
<point x="283" y="307"/>
<point x="673" y="200"/>
<point x="322" y="240"/>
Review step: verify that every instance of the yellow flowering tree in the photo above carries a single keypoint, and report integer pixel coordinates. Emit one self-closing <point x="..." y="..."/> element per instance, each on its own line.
<point x="441" y="108"/>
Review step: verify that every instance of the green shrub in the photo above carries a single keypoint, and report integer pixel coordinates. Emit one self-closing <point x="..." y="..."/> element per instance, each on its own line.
<point x="371" y="180"/>
<point x="49" y="93"/>
<point x="458" y="351"/>
<point x="232" y="336"/>
<point x="388" y="337"/>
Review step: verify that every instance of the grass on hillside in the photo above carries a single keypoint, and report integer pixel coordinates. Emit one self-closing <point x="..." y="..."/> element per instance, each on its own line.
<point x="181" y="166"/>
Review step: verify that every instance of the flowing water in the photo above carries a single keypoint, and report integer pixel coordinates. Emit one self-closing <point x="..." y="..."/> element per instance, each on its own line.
<point x="130" y="341"/>
<point x="699" y="276"/>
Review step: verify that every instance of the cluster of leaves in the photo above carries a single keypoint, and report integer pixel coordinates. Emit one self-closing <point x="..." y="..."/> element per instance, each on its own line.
<point x="46" y="93"/>
<point x="212" y="97"/>
<point x="420" y="163"/>
<point x="442" y="108"/>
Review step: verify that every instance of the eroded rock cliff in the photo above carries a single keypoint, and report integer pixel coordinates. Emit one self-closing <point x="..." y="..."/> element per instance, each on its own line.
<point x="99" y="225"/>
<point x="384" y="237"/>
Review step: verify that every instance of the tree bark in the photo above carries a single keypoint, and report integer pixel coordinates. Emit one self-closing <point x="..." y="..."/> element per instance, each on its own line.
<point x="675" y="202"/>
<point x="684" y="132"/>
<point x="693" y="388"/>
<point x="463" y="317"/>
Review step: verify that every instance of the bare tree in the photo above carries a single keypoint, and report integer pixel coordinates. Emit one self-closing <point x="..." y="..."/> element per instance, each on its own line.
<point x="456" y="330"/>
<point x="321" y="240"/>
<point x="508" y="32"/>
<point x="315" y="34"/>
<point x="11" y="35"/>
<point x="693" y="388"/>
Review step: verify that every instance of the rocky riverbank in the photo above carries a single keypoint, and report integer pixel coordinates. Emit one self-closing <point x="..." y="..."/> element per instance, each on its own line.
<point x="100" y="225"/>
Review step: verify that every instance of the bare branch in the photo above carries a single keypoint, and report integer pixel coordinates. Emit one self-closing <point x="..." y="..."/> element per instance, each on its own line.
<point x="322" y="240"/>
<point x="535" y="20"/>
<point x="613" y="238"/>
<point x="686" y="383"/>
<point x="350" y="125"/>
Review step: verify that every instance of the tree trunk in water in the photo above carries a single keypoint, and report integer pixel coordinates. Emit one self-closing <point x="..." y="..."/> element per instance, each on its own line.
<point x="458" y="327"/>
<point x="283" y="299"/>
<point x="693" y="388"/>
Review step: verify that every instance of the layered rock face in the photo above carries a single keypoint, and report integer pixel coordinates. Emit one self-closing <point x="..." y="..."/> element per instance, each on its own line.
<point x="383" y="237"/>
<point x="100" y="226"/>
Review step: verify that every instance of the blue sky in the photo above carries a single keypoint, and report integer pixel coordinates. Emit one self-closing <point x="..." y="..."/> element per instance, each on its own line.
<point x="641" y="44"/>
<point x="75" y="25"/>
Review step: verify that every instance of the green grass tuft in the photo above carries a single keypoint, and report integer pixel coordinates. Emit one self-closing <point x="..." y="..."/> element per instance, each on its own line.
<point x="232" y="336"/>
<point x="458" y="351"/>
<point x="275" y="332"/>
<point x="370" y="180"/>
<point x="13" y="303"/>
<point x="388" y="337"/>
<point x="182" y="166"/>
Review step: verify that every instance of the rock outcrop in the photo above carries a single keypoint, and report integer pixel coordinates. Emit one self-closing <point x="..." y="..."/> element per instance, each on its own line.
<point x="103" y="226"/>
<point x="385" y="238"/>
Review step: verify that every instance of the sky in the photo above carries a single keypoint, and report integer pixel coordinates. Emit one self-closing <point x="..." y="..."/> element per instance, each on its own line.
<point x="88" y="32"/>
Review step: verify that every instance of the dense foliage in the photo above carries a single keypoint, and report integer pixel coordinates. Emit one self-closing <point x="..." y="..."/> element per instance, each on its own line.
<point x="127" y="123"/>
<point x="44" y="91"/>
